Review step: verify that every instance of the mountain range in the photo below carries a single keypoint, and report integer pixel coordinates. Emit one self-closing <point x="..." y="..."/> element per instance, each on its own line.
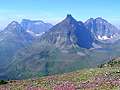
<point x="34" y="48"/>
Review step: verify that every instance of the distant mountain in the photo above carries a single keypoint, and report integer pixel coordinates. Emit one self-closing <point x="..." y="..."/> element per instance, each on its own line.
<point x="61" y="44"/>
<point x="12" y="38"/>
<point x="67" y="46"/>
<point x="102" y="30"/>
<point x="35" y="27"/>
<point x="69" y="33"/>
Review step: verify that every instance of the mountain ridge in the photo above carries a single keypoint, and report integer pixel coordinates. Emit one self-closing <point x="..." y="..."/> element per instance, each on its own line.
<point x="71" y="29"/>
<point x="102" y="29"/>
<point x="65" y="47"/>
<point x="35" y="26"/>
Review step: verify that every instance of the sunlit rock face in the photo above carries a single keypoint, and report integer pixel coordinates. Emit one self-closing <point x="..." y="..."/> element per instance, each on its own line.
<point x="102" y="29"/>
<point x="69" y="32"/>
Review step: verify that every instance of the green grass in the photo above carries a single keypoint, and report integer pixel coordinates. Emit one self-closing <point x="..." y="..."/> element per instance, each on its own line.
<point x="76" y="78"/>
<point x="104" y="78"/>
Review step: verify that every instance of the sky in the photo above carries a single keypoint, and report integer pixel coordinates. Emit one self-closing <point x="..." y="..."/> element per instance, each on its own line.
<point x="53" y="11"/>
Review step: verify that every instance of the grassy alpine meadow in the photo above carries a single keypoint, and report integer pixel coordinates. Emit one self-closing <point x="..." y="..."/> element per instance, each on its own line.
<point x="106" y="78"/>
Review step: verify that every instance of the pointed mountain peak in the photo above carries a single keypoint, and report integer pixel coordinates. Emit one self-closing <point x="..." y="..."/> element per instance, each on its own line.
<point x="14" y="26"/>
<point x="69" y="16"/>
<point x="69" y="19"/>
<point x="13" y="23"/>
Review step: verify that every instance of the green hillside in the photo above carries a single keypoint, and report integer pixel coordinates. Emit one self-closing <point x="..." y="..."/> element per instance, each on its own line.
<point x="107" y="77"/>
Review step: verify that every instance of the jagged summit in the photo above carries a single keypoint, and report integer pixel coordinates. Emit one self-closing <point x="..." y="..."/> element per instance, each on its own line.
<point x="69" y="19"/>
<point x="102" y="29"/>
<point x="69" y="33"/>
<point x="69" y="15"/>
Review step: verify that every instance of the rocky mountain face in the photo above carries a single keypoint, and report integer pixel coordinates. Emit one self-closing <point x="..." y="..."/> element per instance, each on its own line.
<point x="102" y="30"/>
<point x="16" y="36"/>
<point x="12" y="38"/>
<point x="65" y="47"/>
<point x="69" y="33"/>
<point x="36" y="28"/>
<point x="61" y="45"/>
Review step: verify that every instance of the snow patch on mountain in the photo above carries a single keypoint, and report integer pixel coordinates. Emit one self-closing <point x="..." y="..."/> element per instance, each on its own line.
<point x="34" y="34"/>
<point x="104" y="37"/>
<point x="39" y="34"/>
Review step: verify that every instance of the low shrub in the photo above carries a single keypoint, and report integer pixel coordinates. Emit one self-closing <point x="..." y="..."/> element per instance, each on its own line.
<point x="3" y="82"/>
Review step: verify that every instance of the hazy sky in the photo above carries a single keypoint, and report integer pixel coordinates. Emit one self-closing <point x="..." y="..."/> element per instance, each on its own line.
<point x="55" y="10"/>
